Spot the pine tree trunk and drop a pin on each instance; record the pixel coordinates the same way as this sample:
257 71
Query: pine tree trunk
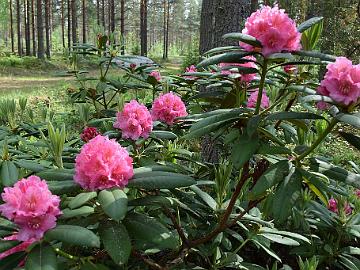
97 12
69 23
109 16
112 16
164 30
167 29
11 27
84 20
143 27
40 29
62 24
103 13
212 27
122 25
18 21
27 27
73 21
47 29
33 27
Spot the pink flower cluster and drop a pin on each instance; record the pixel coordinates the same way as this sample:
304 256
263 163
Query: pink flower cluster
357 192
190 69
134 121
89 133
274 29
290 69
251 102
156 74
244 77
31 206
341 82
168 107
21 247
102 164
333 207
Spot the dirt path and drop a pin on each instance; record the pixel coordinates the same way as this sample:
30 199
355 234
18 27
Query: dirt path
19 83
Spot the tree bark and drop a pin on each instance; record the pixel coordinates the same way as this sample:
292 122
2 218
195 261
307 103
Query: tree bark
112 16
143 27
167 29
47 28
103 13
69 23
122 26
62 24
27 27
33 28
11 27
84 20
40 30
97 12
73 22
164 30
18 21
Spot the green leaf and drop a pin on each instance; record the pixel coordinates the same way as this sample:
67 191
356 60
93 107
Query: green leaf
351 138
12 261
243 149
116 241
75 235
280 239
163 135
285 196
244 38
231 57
290 234
351 119
41 257
82 211
114 203
270 178
61 187
293 115
267 250
315 54
160 180
205 197
149 232
7 244
81 199
309 23
30 165
91 266
266 149
56 174
317 98
9 173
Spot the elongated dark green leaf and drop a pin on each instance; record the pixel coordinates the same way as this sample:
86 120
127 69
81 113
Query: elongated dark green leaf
41 257
273 150
9 173
56 174
81 199
231 57
351 119
91 266
302 88
270 178
149 233
61 187
160 180
164 135
280 239
30 165
116 241
244 38
12 261
317 98
5 245
289 234
79 212
351 138
315 54
223 50
307 24
114 203
205 197
293 115
243 149
75 235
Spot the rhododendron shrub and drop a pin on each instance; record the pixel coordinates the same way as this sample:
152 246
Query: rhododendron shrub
156 74
102 164
167 108
274 29
231 68
89 133
134 121
31 206
265 102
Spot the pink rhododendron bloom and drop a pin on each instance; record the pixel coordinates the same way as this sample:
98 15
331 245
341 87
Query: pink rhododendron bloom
190 69
251 102
290 69
274 29
21 247
134 121
322 105
102 164
244 77
168 107
31 206
332 205
89 133
156 74
357 192
341 82
347 209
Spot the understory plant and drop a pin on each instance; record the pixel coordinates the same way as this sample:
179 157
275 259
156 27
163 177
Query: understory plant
132 190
